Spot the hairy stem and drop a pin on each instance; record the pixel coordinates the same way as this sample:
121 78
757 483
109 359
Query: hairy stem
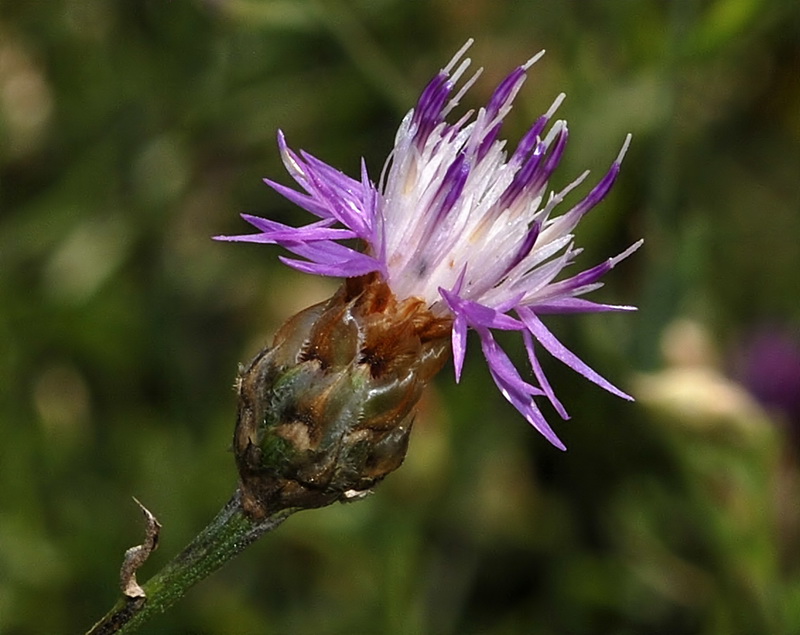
229 533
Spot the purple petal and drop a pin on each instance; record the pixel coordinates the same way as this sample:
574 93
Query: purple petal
331 193
541 377
281 233
584 278
576 284
273 232
307 235
459 340
324 251
563 354
331 175
308 203
479 315
341 202
578 305
294 164
342 269
514 388
503 367
245 238
510 303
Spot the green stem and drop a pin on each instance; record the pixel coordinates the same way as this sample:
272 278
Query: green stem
225 536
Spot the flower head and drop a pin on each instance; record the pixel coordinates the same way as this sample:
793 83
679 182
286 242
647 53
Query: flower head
459 222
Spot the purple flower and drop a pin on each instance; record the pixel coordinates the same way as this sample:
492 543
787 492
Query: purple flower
457 222
769 366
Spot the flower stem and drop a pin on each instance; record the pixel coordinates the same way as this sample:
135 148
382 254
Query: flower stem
229 533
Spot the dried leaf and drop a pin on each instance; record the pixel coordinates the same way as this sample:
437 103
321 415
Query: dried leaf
136 556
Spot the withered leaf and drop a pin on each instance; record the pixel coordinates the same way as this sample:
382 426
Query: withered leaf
136 556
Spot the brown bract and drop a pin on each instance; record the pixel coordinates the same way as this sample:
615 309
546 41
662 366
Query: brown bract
326 411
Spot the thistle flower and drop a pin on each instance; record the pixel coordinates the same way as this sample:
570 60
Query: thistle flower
456 235
459 227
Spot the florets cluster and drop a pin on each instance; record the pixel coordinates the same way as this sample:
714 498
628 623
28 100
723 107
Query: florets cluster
461 223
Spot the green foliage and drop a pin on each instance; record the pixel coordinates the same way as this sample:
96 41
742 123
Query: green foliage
131 132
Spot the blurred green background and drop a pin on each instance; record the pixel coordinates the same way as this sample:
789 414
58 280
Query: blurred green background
132 131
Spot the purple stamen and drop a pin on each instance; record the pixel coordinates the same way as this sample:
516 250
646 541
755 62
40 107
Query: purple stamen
541 177
504 92
453 183
530 140
597 194
523 177
486 143
428 113
525 247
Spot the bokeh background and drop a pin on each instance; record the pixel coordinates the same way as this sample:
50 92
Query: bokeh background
132 131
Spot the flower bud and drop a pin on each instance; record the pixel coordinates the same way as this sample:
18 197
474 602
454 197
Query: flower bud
325 413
